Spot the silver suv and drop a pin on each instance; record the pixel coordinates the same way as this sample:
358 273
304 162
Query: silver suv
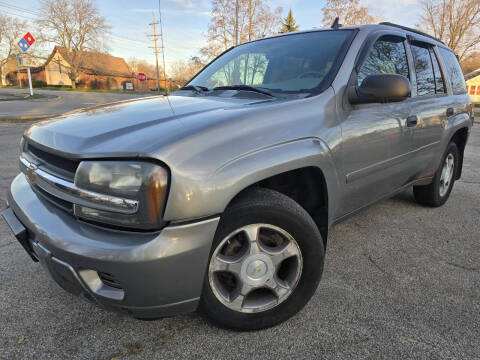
220 196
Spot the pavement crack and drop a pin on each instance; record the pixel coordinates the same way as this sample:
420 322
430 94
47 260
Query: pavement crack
376 265
469 268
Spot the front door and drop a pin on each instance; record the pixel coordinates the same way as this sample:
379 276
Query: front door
375 136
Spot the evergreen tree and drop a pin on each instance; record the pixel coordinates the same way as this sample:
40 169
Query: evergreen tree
289 24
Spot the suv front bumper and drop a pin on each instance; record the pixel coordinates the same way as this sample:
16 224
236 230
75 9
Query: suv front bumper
148 275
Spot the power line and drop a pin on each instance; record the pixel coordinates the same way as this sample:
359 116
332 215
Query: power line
37 14
18 8
17 15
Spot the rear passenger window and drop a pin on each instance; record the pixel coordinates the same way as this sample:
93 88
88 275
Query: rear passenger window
387 56
424 70
453 71
439 82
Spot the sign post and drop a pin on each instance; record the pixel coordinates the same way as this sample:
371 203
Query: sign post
23 45
19 77
30 81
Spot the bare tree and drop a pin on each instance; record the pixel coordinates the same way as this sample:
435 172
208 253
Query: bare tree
256 20
75 25
350 12
11 29
455 22
471 63
137 65
183 71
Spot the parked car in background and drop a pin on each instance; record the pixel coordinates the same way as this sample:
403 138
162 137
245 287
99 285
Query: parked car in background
221 196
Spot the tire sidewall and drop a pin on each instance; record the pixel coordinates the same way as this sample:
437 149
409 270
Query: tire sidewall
311 246
451 149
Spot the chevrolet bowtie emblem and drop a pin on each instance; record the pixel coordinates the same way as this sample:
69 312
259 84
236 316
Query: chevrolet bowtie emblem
257 269
30 173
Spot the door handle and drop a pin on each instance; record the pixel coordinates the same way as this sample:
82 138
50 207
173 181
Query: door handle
412 121
450 112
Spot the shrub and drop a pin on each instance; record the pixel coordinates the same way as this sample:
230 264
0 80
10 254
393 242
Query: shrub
112 83
97 84
38 83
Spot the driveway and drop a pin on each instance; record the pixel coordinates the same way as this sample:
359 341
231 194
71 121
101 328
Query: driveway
56 102
400 281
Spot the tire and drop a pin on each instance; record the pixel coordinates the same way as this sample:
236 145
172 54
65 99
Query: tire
278 213
436 194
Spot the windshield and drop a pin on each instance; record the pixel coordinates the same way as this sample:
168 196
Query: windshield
297 63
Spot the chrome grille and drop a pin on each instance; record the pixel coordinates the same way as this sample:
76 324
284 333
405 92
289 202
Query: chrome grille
56 165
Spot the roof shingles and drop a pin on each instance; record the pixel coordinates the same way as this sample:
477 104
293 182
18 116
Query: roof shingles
96 63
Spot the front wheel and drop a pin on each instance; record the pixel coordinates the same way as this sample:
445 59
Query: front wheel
437 193
265 264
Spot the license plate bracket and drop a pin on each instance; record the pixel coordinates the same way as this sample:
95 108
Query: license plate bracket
19 231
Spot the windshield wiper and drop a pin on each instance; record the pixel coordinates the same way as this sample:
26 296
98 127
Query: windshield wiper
245 88
196 88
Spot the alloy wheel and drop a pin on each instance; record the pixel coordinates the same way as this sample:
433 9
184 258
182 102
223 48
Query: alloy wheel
255 268
446 175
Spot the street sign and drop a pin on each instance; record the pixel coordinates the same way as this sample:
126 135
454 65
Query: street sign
23 45
25 42
25 60
142 77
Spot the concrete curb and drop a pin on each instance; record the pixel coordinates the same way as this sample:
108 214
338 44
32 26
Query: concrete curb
26 118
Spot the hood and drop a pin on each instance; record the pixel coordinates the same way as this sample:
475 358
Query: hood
134 127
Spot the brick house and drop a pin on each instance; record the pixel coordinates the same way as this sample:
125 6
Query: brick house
98 71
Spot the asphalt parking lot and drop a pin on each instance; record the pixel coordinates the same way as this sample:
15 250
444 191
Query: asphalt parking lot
400 281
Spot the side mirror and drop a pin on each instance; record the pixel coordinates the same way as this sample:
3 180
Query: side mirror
382 88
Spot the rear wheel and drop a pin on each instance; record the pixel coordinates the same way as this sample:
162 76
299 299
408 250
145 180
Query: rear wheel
437 193
265 264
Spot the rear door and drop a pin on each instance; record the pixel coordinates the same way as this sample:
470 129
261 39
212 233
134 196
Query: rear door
430 108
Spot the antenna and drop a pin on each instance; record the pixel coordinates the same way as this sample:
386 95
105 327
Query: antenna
336 23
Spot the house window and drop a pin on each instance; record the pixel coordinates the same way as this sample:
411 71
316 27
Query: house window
478 90
472 90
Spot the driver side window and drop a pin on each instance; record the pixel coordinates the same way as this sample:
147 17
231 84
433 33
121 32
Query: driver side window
387 56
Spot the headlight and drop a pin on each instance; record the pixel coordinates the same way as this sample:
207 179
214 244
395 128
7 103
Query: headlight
132 182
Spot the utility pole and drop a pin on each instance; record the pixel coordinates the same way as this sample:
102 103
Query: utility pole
155 37
236 22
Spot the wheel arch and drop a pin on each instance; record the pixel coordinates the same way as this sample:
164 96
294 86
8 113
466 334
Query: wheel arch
302 170
306 186
460 138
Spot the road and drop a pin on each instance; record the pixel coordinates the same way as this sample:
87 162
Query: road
401 281
57 102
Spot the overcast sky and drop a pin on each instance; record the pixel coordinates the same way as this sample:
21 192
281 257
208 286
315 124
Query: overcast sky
186 21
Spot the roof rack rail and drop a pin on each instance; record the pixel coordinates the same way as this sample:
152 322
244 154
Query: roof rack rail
411 30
